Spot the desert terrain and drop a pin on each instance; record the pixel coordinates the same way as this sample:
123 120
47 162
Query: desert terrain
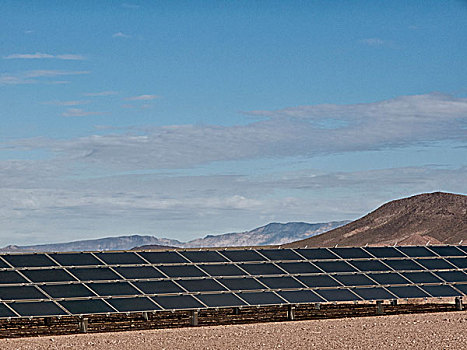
413 331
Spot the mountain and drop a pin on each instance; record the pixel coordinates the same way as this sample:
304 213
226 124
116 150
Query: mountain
109 243
271 234
437 218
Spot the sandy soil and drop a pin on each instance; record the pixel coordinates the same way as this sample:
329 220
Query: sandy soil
416 331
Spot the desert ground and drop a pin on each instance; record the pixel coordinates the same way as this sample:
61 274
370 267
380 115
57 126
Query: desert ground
415 331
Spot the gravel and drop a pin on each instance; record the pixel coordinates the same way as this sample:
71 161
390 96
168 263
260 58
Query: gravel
415 331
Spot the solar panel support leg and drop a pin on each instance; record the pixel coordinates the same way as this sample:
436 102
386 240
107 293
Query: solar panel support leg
394 302
145 316
236 311
379 307
194 318
458 302
291 312
83 325
317 306
48 321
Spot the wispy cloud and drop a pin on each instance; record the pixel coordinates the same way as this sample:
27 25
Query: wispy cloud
39 55
52 73
373 41
66 103
33 76
121 35
142 98
78 112
101 93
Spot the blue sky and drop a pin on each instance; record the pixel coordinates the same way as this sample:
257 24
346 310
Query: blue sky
186 118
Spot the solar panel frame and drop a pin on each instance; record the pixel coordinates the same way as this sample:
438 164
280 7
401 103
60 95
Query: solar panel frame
6 312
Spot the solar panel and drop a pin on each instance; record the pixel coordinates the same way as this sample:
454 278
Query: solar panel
351 253
34 285
9 277
447 251
158 287
75 290
22 292
334 266
373 293
369 265
319 281
403 264
441 291
299 267
242 255
29 260
463 247
247 283
317 254
384 252
182 271
112 288
221 269
354 280
138 272
201 285
280 282
416 251
459 262
87 306
42 308
435 264
218 299
452 276
302 296
93 273
262 269
203 256
337 294
408 292
123 258
75 259
421 277
177 302
48 275
280 254
5 311
133 304
260 298
163 257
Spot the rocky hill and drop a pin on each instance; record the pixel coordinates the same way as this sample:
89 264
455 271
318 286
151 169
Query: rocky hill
431 217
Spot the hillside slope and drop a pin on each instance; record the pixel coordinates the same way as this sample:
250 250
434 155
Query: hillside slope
431 217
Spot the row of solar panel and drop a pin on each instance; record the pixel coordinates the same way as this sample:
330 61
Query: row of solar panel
231 269
207 256
223 284
214 300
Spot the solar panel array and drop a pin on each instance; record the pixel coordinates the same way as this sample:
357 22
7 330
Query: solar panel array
60 284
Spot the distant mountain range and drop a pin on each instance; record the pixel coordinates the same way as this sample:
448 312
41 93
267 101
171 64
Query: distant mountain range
271 234
435 218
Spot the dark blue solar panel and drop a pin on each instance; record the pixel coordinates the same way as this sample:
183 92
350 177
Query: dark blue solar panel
10 277
221 300
384 252
351 253
441 291
459 262
280 254
177 302
158 287
82 307
163 257
319 281
262 269
421 277
29 260
113 288
408 292
334 266
93 273
299 267
138 272
203 256
3 265
337 294
461 287
182 271
435 264
280 282
317 254
369 265
75 259
376 293
403 264
302 296
241 283
48 275
44 308
67 290
452 276
133 304
416 251
242 255
5 311
388 278
261 298
354 280
201 285
222 269
447 251
18 293
121 258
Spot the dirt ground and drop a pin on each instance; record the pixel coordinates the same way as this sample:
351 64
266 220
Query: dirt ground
415 331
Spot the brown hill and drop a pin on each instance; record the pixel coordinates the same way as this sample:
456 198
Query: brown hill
431 217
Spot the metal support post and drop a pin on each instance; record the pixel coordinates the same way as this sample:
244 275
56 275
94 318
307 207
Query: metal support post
394 302
194 318
145 316
291 312
48 321
236 311
458 302
317 306
379 307
83 325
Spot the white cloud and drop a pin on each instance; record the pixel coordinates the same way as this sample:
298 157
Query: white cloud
142 98
39 55
78 112
31 77
66 103
101 93
121 35
52 73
